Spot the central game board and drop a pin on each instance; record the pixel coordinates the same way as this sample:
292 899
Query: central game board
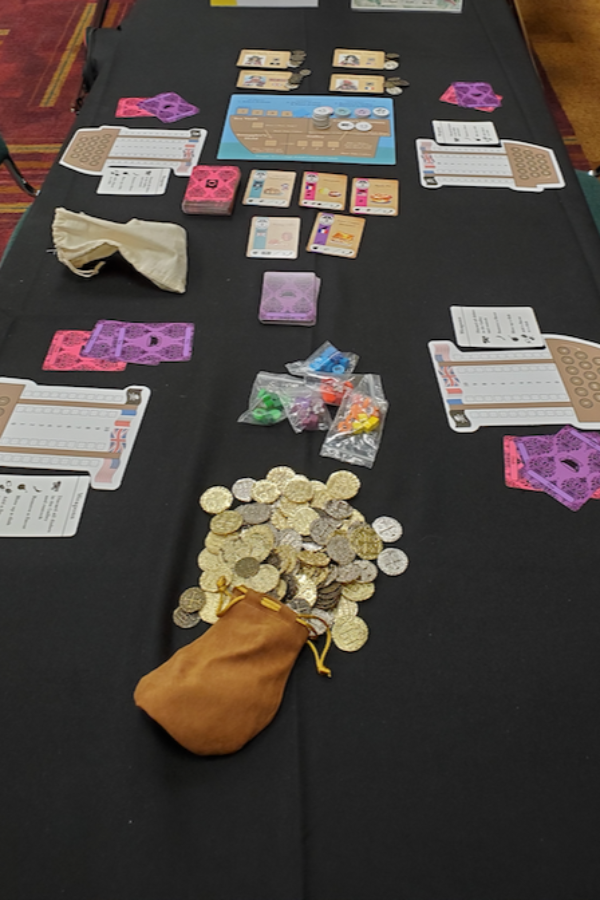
282 128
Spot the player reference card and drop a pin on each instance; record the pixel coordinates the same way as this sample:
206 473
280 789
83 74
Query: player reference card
359 59
263 81
465 133
134 182
323 190
273 238
496 327
41 505
357 84
375 196
336 235
269 187
264 59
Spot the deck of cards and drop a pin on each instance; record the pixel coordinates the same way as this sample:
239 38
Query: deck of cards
289 298
211 190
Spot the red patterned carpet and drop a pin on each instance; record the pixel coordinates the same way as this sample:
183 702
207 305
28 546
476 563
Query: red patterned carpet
41 57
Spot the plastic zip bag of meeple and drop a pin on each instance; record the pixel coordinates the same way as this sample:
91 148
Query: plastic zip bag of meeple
355 434
326 359
305 409
266 405
332 388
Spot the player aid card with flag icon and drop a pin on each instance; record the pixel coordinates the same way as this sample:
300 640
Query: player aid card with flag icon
273 238
336 235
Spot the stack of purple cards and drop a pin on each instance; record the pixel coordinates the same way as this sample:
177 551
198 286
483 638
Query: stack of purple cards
565 465
289 298
143 343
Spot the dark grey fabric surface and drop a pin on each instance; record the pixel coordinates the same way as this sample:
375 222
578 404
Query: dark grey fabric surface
455 757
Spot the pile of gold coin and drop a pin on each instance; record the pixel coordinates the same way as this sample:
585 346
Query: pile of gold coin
299 541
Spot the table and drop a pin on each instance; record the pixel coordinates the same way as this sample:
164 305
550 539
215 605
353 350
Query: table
456 755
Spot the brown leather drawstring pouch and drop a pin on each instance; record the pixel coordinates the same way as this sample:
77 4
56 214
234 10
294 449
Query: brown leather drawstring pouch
218 692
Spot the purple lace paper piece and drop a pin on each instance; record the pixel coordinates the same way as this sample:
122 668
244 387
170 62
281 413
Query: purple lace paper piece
103 340
289 298
150 343
169 107
144 343
565 465
472 94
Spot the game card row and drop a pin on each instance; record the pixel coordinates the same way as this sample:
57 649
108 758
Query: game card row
212 190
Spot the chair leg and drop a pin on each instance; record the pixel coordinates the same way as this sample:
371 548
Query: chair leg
23 184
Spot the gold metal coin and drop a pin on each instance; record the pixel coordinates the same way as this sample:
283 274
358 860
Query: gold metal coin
280 475
343 485
314 558
214 542
208 613
289 507
288 557
208 581
303 519
350 634
365 541
265 531
280 589
307 589
232 550
265 579
216 500
265 491
298 489
357 591
192 599
279 519
226 522
256 545
209 561
346 609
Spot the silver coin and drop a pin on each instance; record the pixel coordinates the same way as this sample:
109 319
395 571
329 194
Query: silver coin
367 570
291 537
391 64
322 529
346 574
310 545
394 91
256 513
338 509
392 561
320 620
184 619
340 550
299 606
242 489
388 529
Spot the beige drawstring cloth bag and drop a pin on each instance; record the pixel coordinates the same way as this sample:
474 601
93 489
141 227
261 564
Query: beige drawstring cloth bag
157 250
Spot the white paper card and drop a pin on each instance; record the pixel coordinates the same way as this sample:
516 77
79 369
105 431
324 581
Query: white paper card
41 505
465 133
496 327
134 182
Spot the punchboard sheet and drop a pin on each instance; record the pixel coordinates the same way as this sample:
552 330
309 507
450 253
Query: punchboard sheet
559 385
514 164
94 151
60 427
282 128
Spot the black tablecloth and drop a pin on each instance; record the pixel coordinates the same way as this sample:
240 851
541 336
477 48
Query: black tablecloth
455 757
